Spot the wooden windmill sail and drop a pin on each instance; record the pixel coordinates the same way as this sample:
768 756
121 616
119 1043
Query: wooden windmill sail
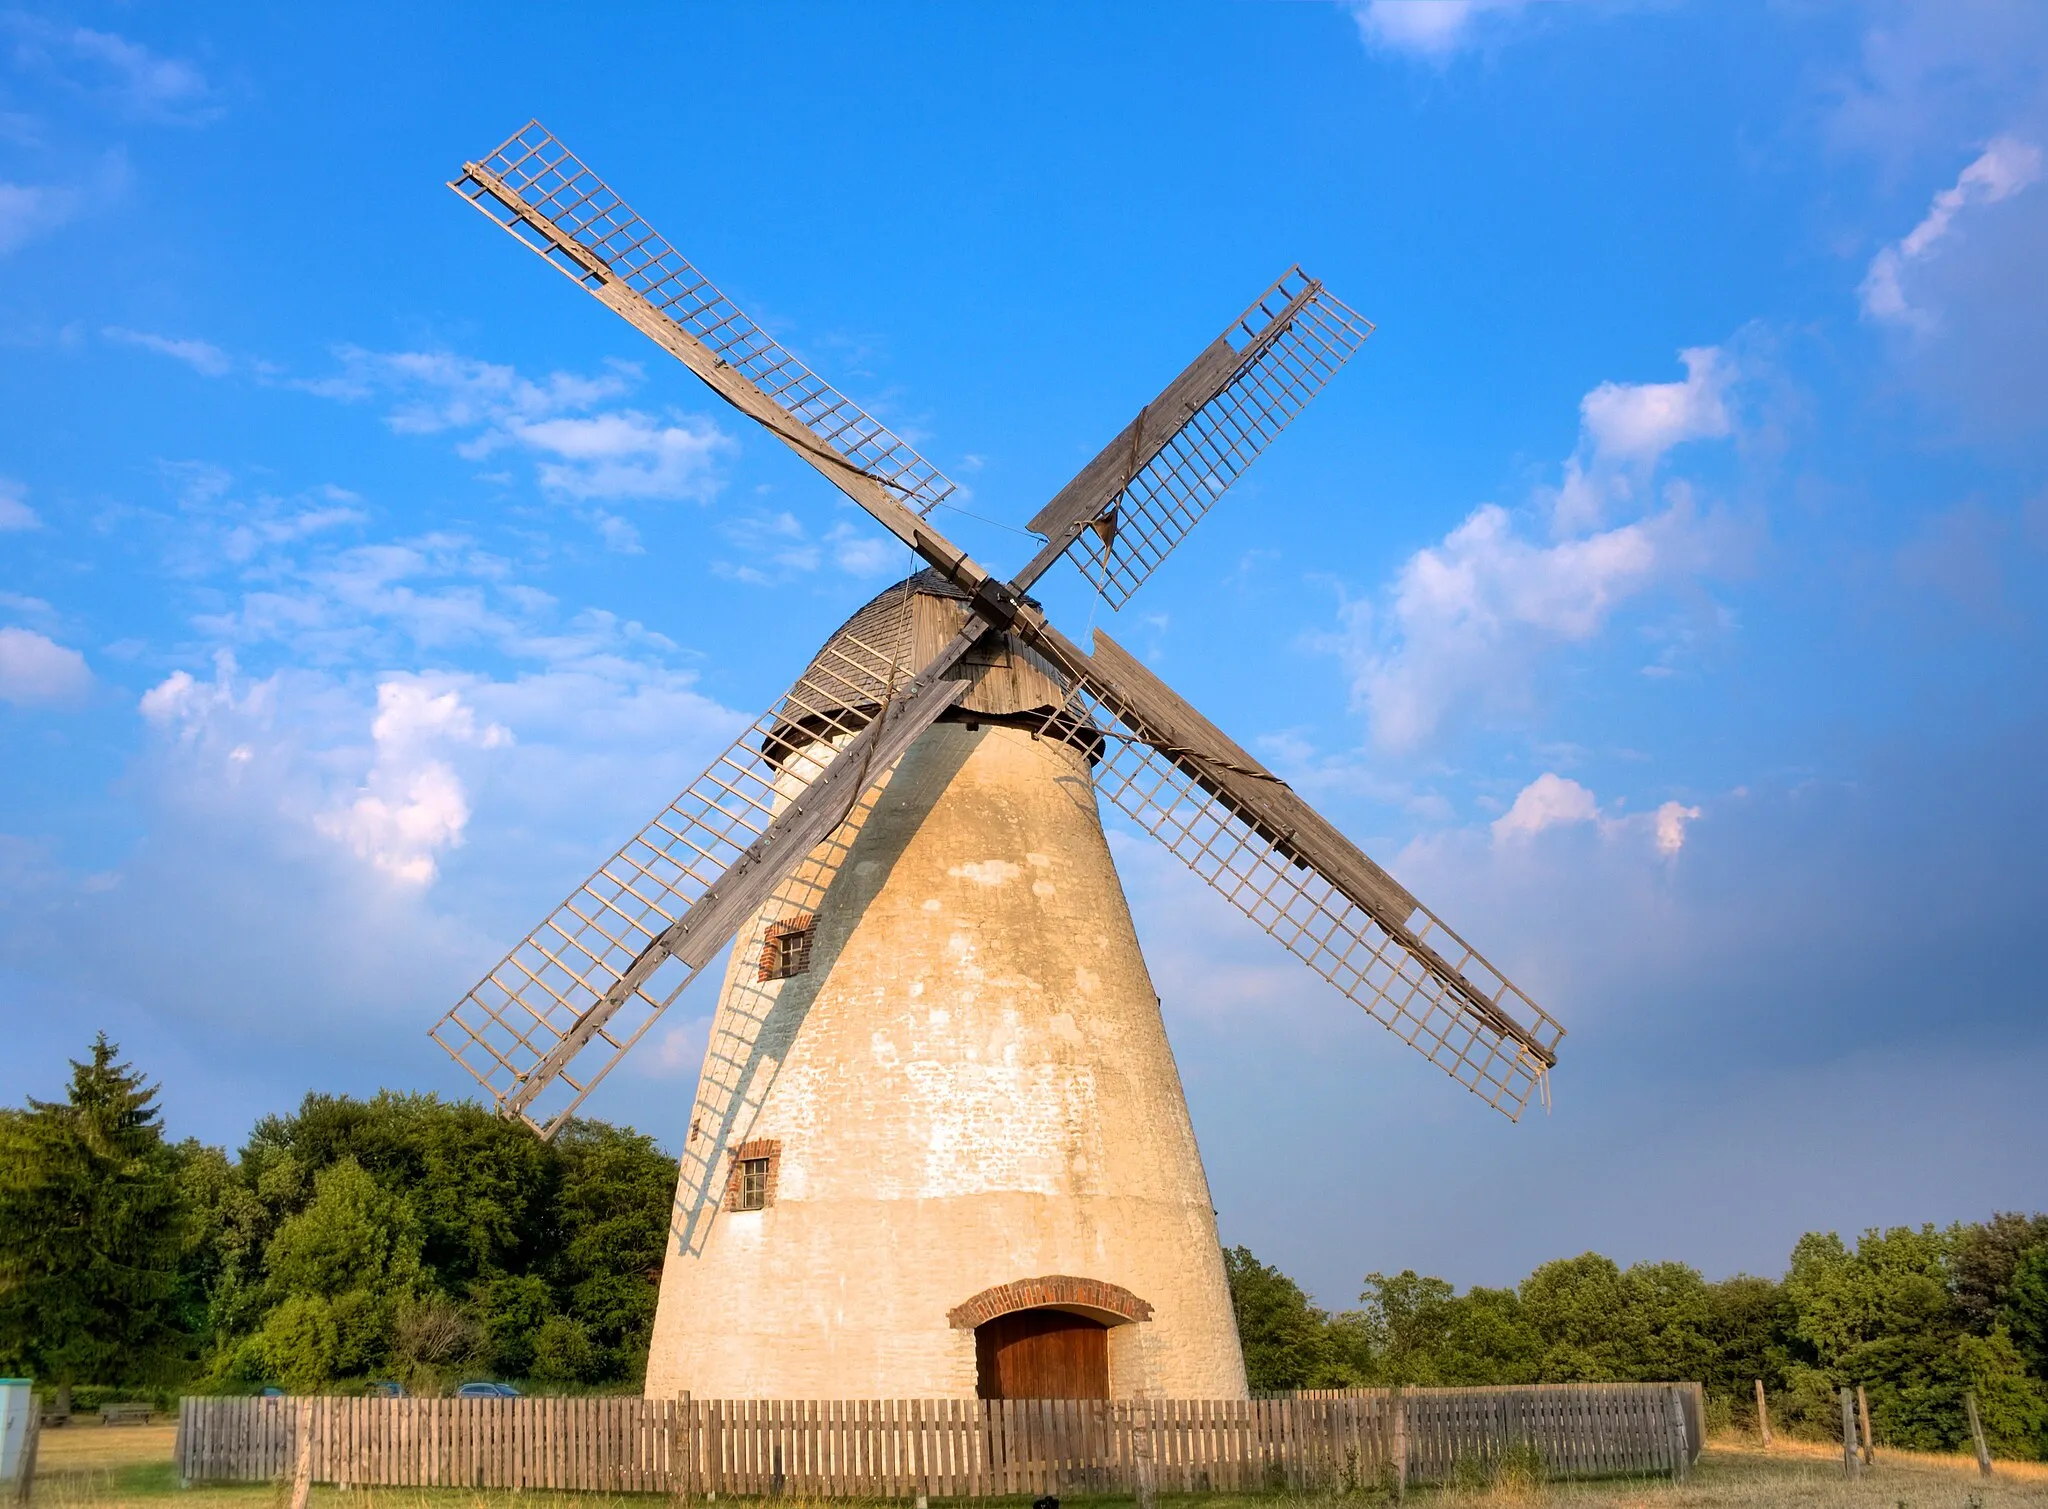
939 1144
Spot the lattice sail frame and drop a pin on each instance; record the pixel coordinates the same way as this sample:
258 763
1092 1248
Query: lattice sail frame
505 1028
556 184
1169 494
1313 919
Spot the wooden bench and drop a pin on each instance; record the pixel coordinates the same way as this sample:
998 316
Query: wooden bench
55 1419
126 1414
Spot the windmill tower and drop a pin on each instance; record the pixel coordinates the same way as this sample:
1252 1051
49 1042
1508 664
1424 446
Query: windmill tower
939 1146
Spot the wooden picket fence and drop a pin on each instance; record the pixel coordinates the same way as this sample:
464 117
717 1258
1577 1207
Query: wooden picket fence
947 1448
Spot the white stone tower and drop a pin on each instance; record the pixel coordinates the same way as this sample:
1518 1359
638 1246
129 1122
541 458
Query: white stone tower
972 1169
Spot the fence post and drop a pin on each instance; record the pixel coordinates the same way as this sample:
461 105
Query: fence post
1977 1435
1147 1484
1681 1456
1763 1415
302 1463
1850 1463
1397 1404
1863 1418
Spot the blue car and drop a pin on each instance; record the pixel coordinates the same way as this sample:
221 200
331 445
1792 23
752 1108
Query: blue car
486 1391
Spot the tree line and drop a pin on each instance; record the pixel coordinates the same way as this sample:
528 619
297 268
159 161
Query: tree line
400 1237
410 1238
1917 1316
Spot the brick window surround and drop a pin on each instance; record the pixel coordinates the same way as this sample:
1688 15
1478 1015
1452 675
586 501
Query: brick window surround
1055 1289
767 1147
773 947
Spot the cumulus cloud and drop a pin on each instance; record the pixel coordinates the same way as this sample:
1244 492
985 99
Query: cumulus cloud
1555 801
14 510
412 804
1546 802
1669 822
1432 29
2005 167
625 454
202 357
1625 429
1467 620
35 669
581 451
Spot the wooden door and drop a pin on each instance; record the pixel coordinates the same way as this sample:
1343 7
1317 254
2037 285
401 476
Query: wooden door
1042 1354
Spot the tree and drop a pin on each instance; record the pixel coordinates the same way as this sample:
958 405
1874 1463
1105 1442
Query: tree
1985 1257
2025 1309
1490 1339
353 1234
93 1227
1749 1332
1581 1309
511 1312
481 1188
1884 1316
1288 1343
614 1196
1406 1321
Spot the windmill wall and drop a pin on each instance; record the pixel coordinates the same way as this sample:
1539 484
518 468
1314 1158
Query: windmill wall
968 1105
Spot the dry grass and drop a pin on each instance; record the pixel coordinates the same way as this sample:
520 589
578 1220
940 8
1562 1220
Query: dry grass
94 1467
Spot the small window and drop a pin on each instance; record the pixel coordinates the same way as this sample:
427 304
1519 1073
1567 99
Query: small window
753 1185
750 1177
786 948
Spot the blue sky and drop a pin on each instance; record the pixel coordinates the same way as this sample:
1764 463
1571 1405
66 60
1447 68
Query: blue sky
1659 593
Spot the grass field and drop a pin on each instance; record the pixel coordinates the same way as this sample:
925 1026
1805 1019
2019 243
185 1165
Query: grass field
90 1467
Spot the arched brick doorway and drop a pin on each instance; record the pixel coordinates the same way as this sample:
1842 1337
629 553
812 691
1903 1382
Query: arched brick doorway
1046 1338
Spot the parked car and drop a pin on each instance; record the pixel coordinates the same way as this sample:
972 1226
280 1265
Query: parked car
482 1390
270 1392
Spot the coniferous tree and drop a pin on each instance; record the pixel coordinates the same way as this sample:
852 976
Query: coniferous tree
92 1230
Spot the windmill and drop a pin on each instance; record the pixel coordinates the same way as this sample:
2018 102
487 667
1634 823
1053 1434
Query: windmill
939 1146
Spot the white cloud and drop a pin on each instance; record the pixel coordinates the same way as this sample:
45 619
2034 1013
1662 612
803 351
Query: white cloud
36 669
1671 819
864 550
1431 29
1468 620
1549 801
1625 429
2005 167
147 82
14 510
31 210
412 804
626 454
127 73
1555 801
579 455
202 357
776 547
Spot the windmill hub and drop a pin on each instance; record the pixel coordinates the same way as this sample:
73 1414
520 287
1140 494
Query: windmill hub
939 1146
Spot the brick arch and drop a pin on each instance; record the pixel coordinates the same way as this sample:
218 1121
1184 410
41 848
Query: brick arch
1105 1301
